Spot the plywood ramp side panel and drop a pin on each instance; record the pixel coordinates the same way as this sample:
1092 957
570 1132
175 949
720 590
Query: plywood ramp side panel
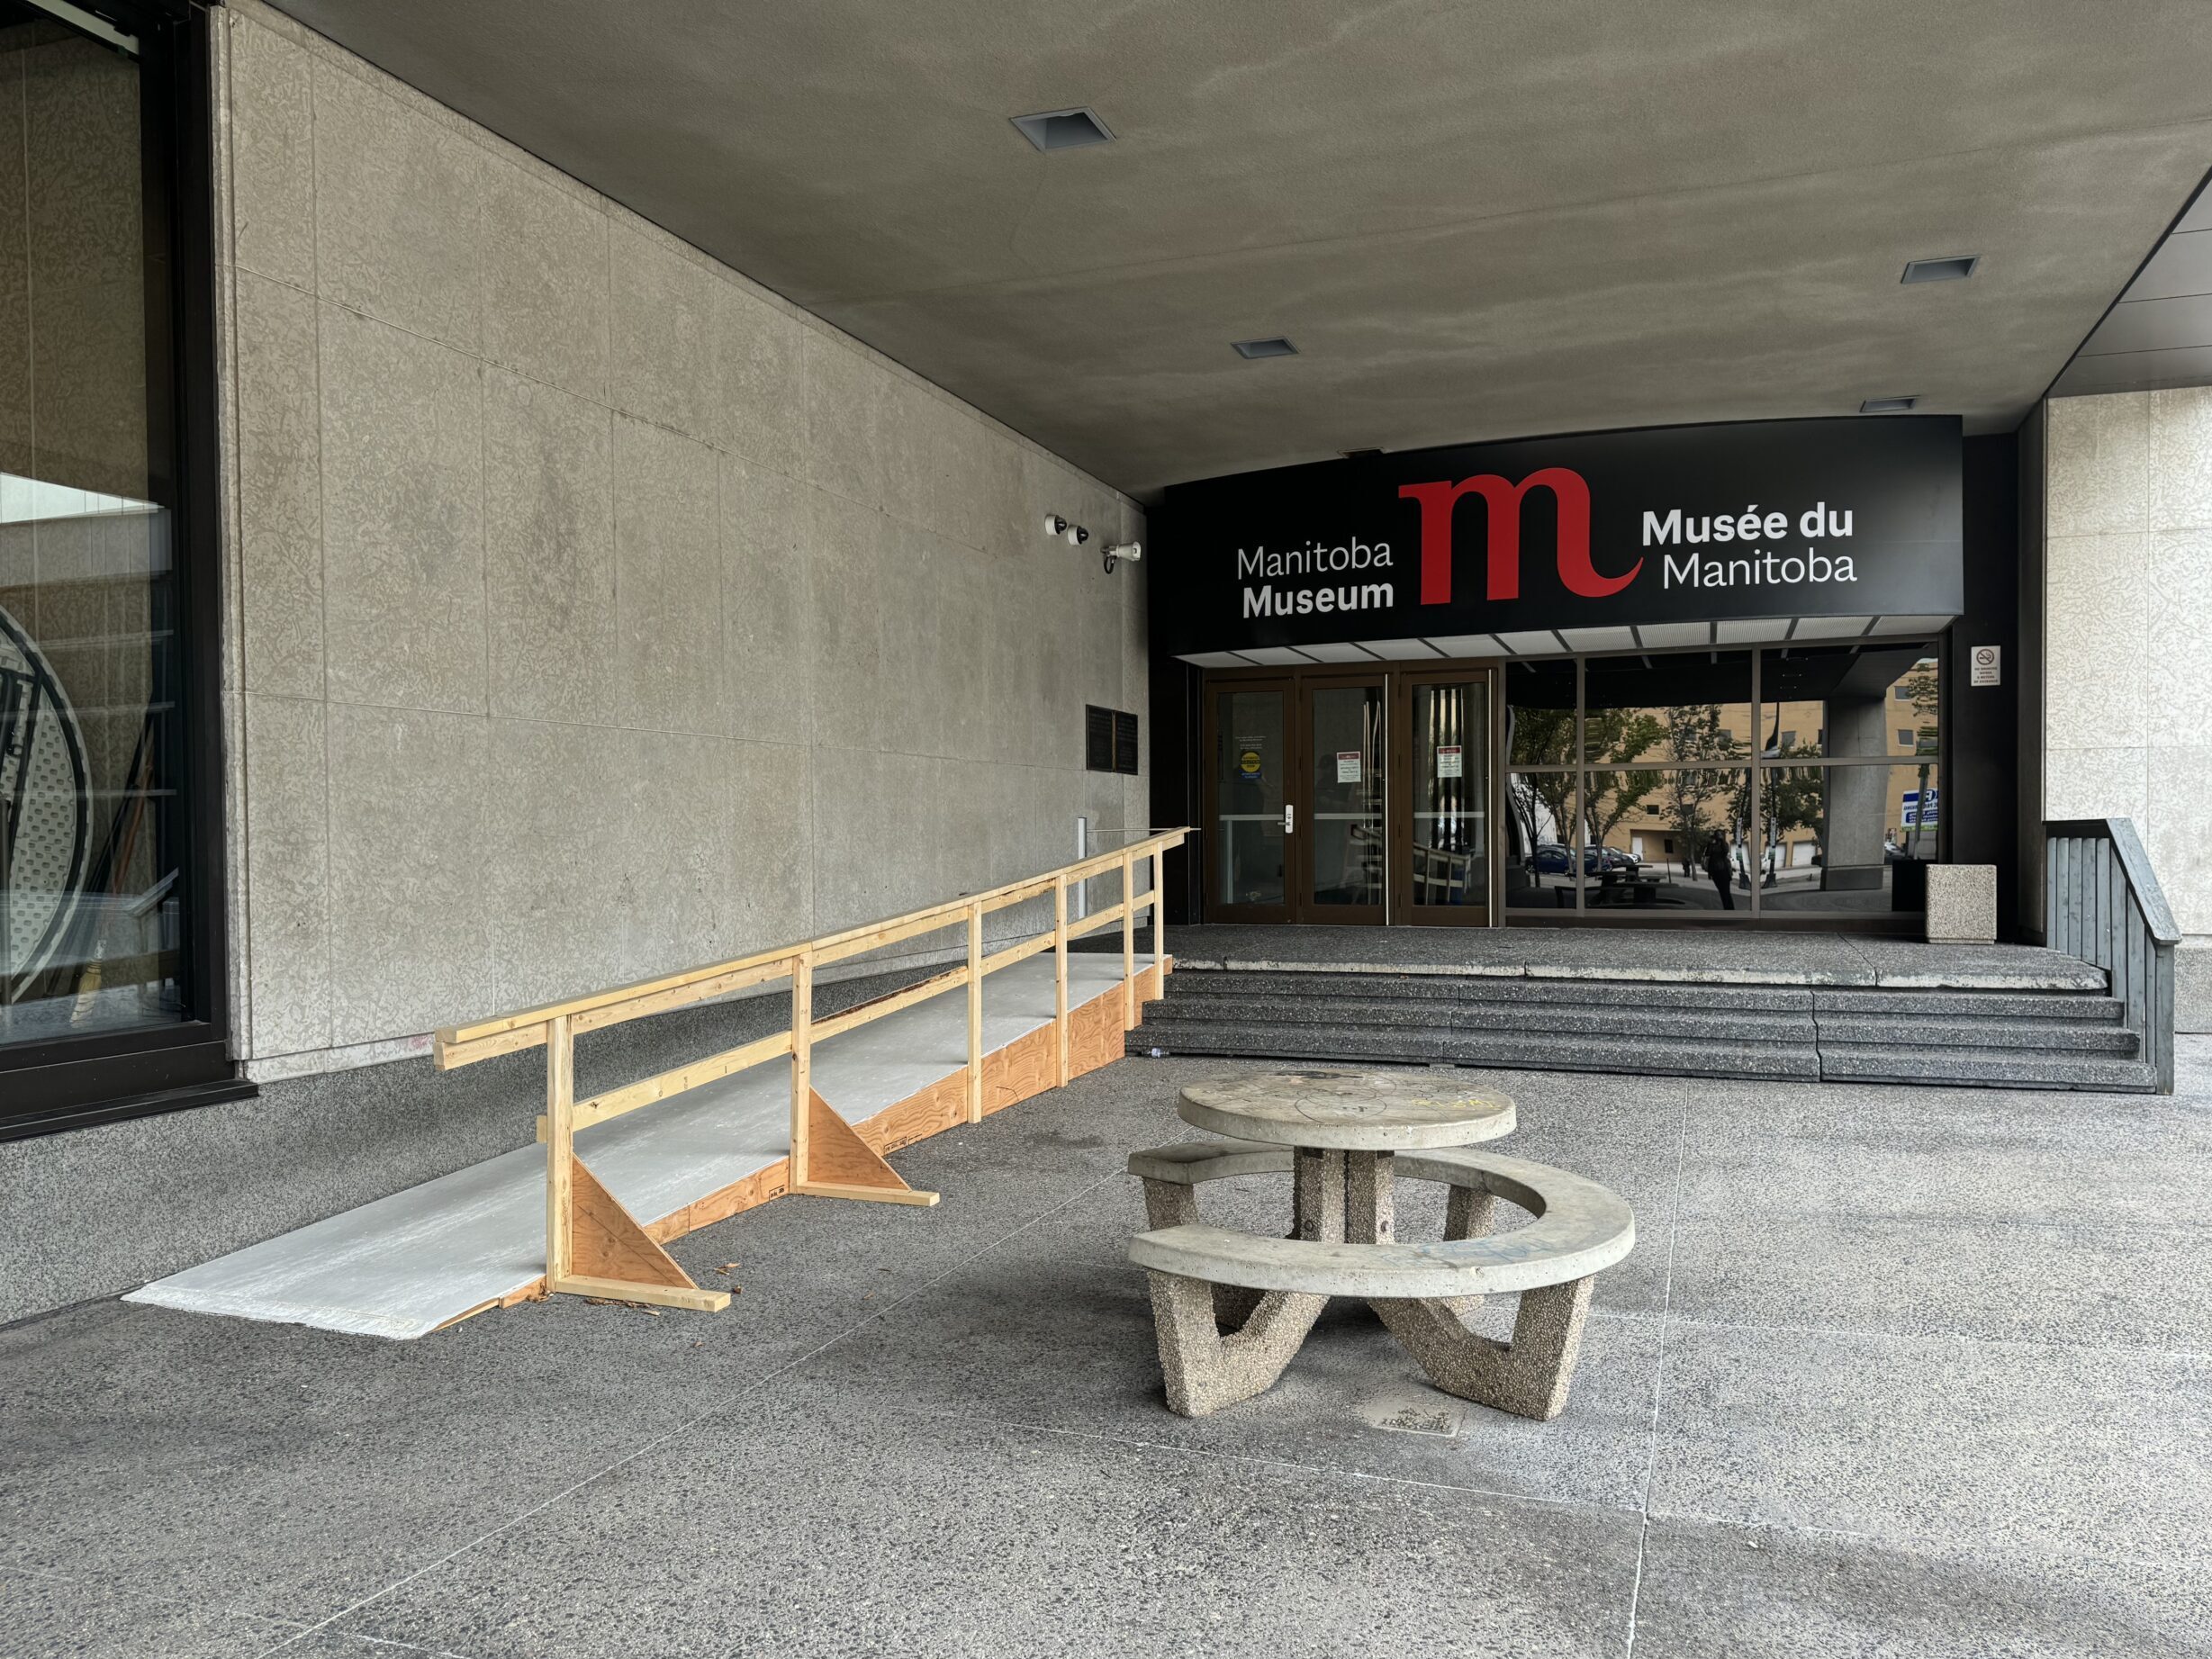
1096 1035
771 1181
917 1117
1026 1067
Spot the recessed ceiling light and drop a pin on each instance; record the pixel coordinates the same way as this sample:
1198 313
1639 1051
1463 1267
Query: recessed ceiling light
1052 130
1887 406
1956 268
1274 345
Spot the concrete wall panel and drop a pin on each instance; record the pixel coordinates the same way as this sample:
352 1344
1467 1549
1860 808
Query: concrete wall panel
396 206
287 873
545 276
664 333
624 616
273 158
410 916
280 488
402 493
2127 590
549 552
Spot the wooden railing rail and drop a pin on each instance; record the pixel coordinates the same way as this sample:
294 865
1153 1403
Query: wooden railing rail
594 1247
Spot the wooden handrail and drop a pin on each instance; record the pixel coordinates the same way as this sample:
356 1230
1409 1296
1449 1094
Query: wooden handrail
612 1256
505 1033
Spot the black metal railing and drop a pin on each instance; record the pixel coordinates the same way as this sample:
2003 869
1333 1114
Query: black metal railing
2102 903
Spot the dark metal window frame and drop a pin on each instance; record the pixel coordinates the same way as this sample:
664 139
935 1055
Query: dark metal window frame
70 1082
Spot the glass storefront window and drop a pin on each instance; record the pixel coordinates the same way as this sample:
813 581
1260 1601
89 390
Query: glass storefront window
91 842
1542 849
112 989
1539 714
1848 840
1687 708
1822 796
1659 838
1851 702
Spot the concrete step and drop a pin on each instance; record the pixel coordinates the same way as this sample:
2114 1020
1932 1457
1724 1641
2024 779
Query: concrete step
2053 1036
1198 983
1867 1062
2077 1005
1602 1018
1539 1051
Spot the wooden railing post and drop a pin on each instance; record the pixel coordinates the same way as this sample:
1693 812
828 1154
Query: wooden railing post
975 1012
1059 977
803 1064
560 1152
1129 940
1160 915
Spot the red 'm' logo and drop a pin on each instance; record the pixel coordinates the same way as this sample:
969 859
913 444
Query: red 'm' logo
1502 500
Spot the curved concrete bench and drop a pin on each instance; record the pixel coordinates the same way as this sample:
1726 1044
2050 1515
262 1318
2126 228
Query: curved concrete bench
1581 1229
1202 1276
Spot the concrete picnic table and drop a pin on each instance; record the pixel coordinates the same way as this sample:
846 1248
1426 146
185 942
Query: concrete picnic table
1345 1136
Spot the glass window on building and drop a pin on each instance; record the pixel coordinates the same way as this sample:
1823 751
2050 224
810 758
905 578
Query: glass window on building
1736 783
97 842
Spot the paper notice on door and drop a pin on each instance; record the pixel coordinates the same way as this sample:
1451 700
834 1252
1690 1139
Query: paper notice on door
1347 765
1448 760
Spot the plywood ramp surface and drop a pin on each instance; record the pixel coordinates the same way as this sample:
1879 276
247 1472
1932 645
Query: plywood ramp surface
404 1266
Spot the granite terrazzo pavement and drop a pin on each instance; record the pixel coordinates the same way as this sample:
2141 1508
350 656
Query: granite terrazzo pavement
1852 1393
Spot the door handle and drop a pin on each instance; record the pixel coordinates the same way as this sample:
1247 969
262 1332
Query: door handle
1289 818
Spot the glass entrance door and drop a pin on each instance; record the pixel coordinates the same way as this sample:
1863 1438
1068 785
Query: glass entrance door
1344 853
1350 795
1251 782
1443 835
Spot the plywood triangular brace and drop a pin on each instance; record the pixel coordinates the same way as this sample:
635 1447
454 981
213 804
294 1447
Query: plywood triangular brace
615 1258
839 1164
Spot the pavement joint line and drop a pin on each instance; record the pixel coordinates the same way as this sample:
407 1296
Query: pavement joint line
1964 1338
1333 1471
1658 1371
724 1404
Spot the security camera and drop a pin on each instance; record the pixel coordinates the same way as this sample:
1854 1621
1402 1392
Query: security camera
1054 524
1077 536
1122 550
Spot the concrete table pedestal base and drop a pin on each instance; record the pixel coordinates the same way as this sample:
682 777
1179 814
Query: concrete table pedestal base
1221 1344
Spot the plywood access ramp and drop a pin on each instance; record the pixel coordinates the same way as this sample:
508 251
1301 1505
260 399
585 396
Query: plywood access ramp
615 1181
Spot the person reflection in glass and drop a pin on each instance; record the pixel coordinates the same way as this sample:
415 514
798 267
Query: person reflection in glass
1717 867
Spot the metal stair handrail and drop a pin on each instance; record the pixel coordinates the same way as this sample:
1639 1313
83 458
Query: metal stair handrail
2103 904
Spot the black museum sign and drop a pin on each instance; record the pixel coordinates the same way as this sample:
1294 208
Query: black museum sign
1856 517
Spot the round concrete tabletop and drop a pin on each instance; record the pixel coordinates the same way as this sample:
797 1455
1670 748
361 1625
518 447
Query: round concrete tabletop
1357 1110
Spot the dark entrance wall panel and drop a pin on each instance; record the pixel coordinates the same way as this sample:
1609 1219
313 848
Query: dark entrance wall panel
1831 518
1982 788
1178 795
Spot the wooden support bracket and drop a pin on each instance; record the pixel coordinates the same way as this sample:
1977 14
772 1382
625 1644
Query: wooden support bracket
610 1255
841 1165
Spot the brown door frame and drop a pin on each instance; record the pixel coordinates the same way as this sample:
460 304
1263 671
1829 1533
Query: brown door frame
1405 677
